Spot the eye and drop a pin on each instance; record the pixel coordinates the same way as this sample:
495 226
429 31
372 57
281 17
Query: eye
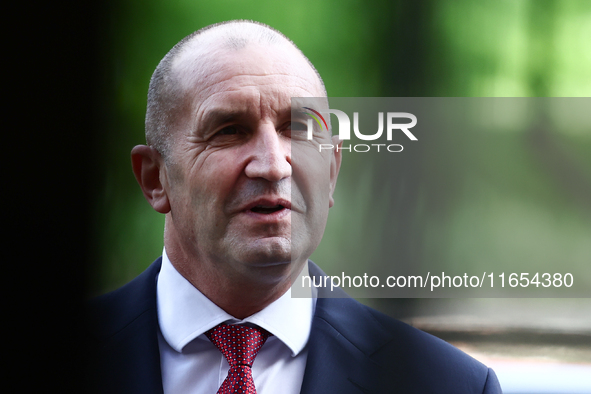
297 126
228 130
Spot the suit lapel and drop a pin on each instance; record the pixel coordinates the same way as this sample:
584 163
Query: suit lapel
334 364
142 334
127 344
342 340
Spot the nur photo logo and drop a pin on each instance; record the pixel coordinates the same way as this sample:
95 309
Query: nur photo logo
345 129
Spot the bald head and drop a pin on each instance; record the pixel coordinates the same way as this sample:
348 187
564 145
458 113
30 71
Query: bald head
194 59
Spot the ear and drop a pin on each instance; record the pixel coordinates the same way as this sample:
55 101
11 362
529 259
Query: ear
335 166
147 164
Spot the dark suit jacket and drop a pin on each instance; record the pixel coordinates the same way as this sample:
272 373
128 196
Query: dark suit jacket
352 349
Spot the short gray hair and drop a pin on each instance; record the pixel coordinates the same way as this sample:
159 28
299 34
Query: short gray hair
164 93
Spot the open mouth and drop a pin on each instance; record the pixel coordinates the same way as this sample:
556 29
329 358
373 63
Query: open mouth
266 210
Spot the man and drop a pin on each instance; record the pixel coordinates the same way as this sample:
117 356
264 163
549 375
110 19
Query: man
242 218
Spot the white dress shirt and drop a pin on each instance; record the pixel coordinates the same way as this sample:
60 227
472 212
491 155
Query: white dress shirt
191 364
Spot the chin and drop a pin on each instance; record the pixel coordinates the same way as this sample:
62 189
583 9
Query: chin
244 247
269 258
267 252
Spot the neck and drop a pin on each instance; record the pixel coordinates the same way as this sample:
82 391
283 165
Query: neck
238 293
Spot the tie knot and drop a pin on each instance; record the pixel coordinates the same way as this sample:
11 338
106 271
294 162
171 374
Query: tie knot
238 344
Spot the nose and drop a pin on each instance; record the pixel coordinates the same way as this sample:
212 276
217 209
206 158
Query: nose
269 155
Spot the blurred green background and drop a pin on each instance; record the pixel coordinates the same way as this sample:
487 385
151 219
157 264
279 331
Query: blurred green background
525 48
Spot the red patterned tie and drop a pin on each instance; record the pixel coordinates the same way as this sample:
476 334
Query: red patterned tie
240 345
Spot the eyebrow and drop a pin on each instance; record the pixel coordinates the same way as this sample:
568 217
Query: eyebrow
221 115
218 116
298 113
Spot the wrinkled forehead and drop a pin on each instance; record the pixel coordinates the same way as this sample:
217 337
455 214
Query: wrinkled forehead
212 59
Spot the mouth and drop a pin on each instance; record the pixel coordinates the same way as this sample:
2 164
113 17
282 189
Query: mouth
266 210
268 206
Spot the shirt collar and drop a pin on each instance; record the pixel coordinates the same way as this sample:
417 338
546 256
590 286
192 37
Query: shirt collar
185 314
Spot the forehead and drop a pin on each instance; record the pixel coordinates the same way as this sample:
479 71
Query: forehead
213 75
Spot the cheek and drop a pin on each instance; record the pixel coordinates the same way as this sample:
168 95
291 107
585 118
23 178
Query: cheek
308 227
311 170
215 181
311 185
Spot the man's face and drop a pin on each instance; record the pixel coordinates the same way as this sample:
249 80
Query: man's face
238 202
